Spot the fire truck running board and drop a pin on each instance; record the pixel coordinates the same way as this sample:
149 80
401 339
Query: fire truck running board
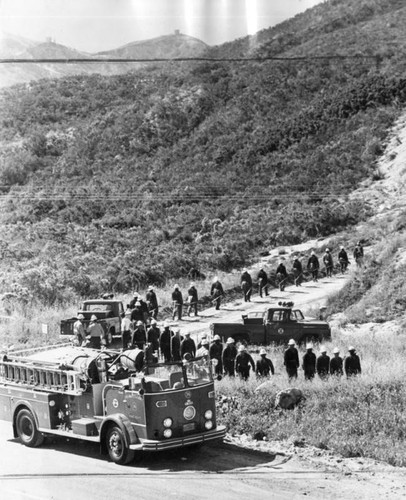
69 434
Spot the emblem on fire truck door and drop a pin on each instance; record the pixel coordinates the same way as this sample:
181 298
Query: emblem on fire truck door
115 403
188 394
280 331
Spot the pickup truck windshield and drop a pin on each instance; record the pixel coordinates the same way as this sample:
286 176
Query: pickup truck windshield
98 307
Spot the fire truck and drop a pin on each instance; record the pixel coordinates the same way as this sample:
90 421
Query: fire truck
117 399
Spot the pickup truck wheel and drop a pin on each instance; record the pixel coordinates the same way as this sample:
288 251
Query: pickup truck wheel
27 429
117 448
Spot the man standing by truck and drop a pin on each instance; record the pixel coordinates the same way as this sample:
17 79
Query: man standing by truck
96 333
291 360
79 330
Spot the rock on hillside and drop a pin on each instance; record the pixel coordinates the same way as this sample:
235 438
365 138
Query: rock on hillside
175 45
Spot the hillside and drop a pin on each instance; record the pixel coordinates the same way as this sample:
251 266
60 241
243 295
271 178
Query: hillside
118 182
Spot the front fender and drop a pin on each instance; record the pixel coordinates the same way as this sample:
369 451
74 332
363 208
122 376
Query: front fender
125 425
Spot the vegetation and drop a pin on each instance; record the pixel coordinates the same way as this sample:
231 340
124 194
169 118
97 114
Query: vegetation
118 182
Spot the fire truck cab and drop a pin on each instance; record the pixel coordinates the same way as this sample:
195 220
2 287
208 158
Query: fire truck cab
109 397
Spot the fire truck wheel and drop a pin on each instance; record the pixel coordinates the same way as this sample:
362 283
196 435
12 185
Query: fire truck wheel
116 446
27 429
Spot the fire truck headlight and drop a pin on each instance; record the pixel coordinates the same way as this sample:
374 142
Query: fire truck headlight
167 433
168 422
208 414
208 424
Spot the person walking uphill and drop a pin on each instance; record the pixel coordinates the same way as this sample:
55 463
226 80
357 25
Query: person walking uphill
281 276
328 262
313 266
343 259
229 355
192 298
291 360
243 362
297 270
309 363
177 301
246 285
216 292
352 363
262 283
359 254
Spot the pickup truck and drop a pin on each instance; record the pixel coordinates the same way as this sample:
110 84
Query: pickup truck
277 324
108 313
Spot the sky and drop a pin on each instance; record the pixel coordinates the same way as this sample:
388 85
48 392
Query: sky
95 25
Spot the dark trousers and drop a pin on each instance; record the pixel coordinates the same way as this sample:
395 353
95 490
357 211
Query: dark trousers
126 338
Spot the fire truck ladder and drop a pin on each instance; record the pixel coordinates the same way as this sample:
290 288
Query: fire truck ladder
41 377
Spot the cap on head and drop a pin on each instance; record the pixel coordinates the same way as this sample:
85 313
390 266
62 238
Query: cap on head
187 334
193 283
139 323
166 324
351 348
309 346
291 342
150 288
336 350
323 349
93 317
80 316
262 351
154 321
135 294
241 348
175 287
230 340
216 337
216 278
312 252
128 312
327 249
177 330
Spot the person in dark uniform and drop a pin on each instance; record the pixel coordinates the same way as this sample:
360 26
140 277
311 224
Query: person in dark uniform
246 285
352 363
177 301
134 300
243 362
297 270
262 283
165 342
282 276
343 259
291 360
336 364
152 303
192 299
313 266
328 262
153 335
216 351
323 364
229 355
359 254
309 363
264 365
187 346
175 345
139 337
137 313
216 292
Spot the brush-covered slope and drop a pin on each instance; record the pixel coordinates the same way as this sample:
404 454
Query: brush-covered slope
111 183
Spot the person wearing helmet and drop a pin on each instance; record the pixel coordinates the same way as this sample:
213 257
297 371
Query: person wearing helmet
336 364
152 303
134 300
323 364
281 276
79 331
153 335
177 301
137 313
352 363
193 299
297 270
313 265
228 357
359 254
246 285
262 282
187 346
264 365
328 262
165 342
309 362
96 333
343 259
291 360
204 349
126 329
216 351
216 292
243 363
138 336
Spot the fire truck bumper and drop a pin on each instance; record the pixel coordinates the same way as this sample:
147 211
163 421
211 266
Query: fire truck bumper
154 445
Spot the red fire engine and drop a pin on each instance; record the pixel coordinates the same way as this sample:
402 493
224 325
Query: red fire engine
113 398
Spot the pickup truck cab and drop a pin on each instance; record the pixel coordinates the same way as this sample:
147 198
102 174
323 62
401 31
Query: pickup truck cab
276 324
108 313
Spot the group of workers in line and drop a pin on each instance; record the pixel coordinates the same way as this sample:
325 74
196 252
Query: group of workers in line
322 365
